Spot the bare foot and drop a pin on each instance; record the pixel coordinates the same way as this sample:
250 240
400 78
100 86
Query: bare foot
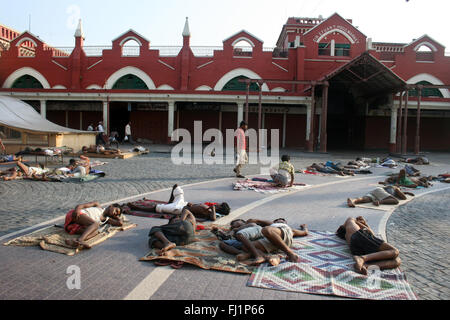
85 245
274 261
359 265
350 203
292 257
376 203
169 247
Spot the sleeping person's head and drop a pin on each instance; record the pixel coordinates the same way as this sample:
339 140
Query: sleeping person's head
341 232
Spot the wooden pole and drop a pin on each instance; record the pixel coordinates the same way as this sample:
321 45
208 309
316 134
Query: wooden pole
313 113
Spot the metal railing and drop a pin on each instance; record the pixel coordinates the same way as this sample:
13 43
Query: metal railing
170 51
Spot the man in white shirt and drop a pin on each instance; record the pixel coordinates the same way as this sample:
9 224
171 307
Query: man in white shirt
128 133
91 127
101 130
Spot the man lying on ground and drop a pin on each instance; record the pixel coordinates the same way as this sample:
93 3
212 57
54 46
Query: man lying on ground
418 161
86 219
403 180
9 158
180 231
284 176
177 203
101 150
277 235
22 170
366 248
324 169
387 195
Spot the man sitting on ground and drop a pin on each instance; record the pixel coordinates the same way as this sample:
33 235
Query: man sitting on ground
285 175
180 231
388 195
403 180
366 248
86 219
277 236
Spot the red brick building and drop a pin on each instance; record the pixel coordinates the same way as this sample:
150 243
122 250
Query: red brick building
165 88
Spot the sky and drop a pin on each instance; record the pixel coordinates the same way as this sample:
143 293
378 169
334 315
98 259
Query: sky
212 21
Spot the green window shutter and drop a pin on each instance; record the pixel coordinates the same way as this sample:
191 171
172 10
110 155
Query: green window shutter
27 82
130 82
235 85
426 92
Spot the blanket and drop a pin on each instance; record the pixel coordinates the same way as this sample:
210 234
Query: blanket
264 186
54 238
326 268
203 253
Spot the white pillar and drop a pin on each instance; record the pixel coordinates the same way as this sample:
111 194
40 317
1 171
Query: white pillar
333 47
393 125
308 120
105 116
284 129
44 108
171 118
240 116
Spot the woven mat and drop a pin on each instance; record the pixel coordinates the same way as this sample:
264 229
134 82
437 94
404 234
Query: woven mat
203 253
385 207
326 268
54 238
264 187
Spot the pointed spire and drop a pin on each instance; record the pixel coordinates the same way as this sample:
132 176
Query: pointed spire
186 31
79 31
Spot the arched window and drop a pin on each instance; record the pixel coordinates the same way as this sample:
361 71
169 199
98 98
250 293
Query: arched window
130 82
131 48
243 48
235 85
426 92
424 54
27 82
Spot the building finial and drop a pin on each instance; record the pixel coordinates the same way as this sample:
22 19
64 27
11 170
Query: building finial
79 31
186 31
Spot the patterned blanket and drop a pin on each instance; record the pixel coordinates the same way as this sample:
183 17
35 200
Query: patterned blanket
264 186
326 268
54 238
204 253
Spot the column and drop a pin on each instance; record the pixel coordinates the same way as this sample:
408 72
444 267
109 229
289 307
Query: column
44 108
106 116
333 47
171 120
284 129
240 115
417 142
308 122
405 125
324 119
312 118
393 139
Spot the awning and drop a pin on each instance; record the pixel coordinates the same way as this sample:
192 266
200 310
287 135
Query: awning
366 76
18 115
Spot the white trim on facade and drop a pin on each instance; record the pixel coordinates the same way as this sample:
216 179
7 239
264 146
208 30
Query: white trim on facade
59 87
25 71
427 44
204 88
250 42
165 87
130 70
26 39
94 87
236 73
167 65
59 65
431 79
125 40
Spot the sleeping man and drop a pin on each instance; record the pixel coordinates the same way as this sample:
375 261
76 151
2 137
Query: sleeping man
177 203
388 195
86 219
366 248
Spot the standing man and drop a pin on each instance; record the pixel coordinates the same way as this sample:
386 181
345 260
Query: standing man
241 144
101 132
128 133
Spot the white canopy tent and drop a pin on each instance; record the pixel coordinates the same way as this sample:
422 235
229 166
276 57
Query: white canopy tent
20 116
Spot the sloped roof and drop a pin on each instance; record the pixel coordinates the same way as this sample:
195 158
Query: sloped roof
18 115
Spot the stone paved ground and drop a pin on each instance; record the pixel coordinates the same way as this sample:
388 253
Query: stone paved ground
33 274
421 231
